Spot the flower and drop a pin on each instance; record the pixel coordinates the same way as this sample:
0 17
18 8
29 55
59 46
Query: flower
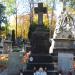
26 57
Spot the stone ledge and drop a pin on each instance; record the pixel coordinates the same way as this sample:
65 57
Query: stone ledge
65 39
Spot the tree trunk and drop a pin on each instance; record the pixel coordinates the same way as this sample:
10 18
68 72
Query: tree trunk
0 29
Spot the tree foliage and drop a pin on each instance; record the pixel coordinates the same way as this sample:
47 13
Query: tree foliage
3 18
70 3
10 6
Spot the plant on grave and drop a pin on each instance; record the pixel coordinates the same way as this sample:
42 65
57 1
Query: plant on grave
26 57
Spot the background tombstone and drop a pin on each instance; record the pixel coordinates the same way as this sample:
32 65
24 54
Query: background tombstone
14 63
1 45
7 45
13 37
40 37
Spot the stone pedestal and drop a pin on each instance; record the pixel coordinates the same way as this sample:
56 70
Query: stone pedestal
64 45
40 60
40 56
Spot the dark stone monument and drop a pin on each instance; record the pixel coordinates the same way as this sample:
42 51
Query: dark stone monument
40 37
40 44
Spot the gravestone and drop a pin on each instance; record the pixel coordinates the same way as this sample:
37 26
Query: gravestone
40 44
40 37
64 40
7 45
13 37
14 63
1 45
63 44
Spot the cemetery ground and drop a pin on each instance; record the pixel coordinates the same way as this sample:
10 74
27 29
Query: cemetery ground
11 60
12 63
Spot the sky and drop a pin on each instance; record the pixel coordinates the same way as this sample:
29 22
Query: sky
24 6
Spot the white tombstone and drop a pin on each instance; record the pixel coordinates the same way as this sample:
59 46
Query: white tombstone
63 33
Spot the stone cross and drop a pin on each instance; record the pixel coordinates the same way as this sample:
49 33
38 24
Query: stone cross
40 10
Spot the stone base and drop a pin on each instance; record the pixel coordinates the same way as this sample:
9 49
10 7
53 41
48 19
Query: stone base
41 60
64 45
